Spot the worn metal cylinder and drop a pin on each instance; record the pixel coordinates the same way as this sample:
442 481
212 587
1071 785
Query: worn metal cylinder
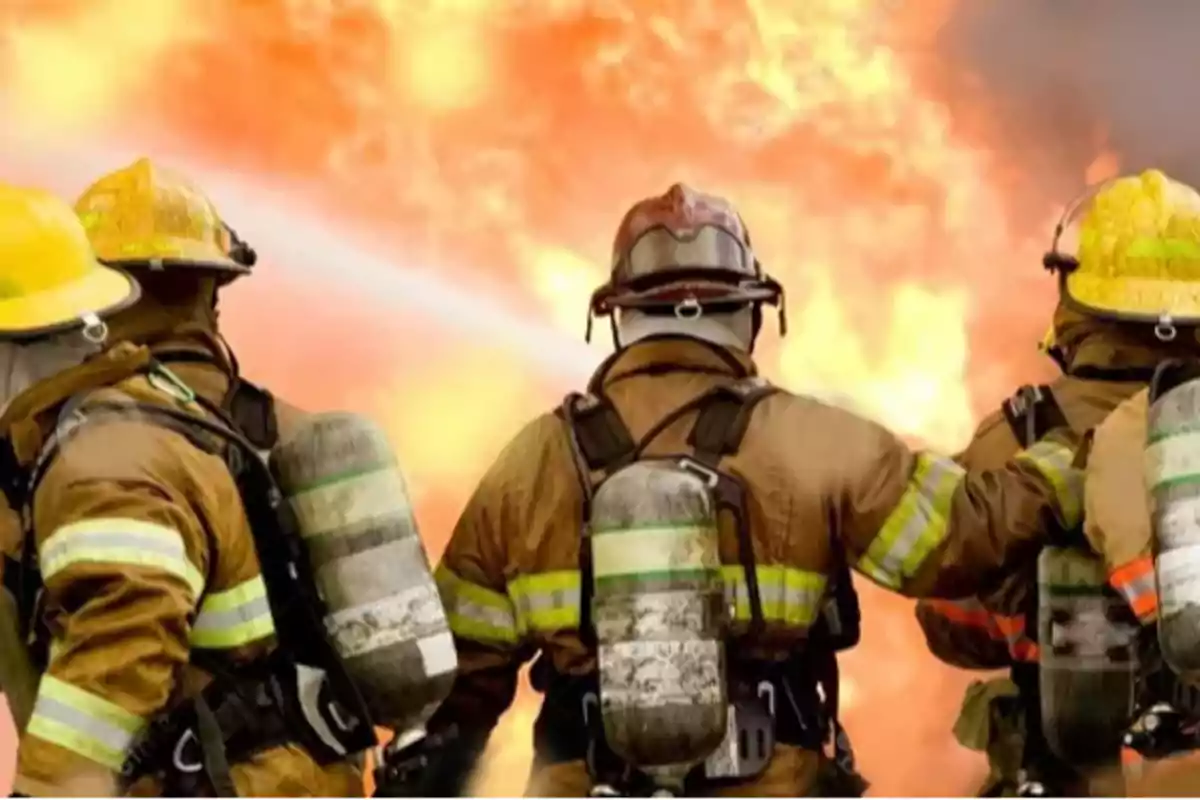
385 616
660 616
1173 475
1087 644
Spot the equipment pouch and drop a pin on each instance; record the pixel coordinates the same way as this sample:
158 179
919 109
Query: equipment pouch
749 739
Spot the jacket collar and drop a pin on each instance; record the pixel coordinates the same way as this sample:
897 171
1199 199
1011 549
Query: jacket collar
660 355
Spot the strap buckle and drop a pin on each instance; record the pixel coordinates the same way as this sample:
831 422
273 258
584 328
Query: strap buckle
710 476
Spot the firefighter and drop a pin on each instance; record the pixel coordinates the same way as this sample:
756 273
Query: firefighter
136 576
1106 358
667 541
158 227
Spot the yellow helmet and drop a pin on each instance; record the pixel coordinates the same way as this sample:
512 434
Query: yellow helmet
1137 251
50 280
145 217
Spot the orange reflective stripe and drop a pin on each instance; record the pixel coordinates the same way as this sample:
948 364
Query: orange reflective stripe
963 612
1135 582
1025 650
1000 628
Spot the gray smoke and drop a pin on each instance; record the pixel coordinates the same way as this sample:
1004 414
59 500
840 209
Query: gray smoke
1057 73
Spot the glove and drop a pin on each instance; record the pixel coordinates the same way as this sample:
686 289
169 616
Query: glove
438 765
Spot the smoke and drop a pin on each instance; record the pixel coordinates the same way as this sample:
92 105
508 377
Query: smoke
1065 78
383 288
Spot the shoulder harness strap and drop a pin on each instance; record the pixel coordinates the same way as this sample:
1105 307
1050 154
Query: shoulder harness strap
251 408
718 432
722 423
1032 412
248 407
601 443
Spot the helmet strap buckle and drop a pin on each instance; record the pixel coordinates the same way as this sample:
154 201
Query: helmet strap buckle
689 308
95 330
1165 330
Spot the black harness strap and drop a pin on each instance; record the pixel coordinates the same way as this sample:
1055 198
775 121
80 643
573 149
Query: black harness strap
1032 413
601 443
718 432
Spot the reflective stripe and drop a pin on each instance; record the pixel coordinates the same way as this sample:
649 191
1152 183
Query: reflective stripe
115 540
1135 582
789 596
83 723
546 601
916 526
233 617
549 601
476 612
1162 248
998 627
1054 462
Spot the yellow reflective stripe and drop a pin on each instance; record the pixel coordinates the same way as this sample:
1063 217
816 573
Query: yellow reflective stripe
233 617
116 540
549 601
546 601
476 612
789 596
1163 248
83 723
1053 461
916 526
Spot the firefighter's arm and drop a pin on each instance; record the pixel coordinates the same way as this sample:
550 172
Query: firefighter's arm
968 633
922 525
123 559
487 631
962 633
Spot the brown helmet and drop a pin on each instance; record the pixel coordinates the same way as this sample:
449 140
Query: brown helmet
683 250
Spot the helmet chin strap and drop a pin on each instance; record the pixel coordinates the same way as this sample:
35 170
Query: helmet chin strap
733 330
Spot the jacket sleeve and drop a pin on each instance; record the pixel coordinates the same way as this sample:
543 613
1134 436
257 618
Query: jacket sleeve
1118 521
922 525
987 633
482 615
123 559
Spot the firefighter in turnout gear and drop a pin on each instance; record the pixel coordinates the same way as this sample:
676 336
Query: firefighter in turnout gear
668 543
1142 267
158 227
138 575
1107 358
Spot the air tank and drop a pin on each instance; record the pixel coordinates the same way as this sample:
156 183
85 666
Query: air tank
660 615
1173 476
385 617
1087 643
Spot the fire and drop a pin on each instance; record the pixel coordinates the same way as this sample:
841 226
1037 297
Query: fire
502 141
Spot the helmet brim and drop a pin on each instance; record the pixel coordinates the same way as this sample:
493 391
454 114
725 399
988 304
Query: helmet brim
103 292
1133 299
170 253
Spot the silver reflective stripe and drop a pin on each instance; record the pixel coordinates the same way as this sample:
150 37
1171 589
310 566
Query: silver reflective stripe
83 723
916 526
234 617
1054 462
476 612
120 541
